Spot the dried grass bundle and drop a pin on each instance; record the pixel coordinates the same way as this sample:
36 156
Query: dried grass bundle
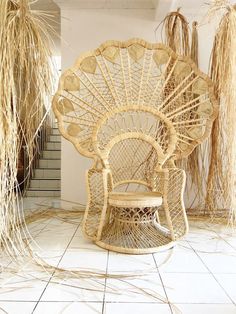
214 10
25 87
176 32
222 173
195 163
194 43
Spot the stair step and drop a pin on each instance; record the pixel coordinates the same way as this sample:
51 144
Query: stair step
47 173
46 181
53 145
42 193
51 154
55 138
49 163
43 184
55 131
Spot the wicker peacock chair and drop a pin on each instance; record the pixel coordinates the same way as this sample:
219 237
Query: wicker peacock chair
135 108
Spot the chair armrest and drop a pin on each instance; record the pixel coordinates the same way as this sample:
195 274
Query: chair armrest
160 181
170 182
99 183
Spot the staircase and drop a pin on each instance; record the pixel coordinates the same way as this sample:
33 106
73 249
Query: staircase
46 178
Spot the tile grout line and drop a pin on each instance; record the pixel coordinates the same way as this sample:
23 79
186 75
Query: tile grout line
41 230
112 302
55 270
219 237
227 242
37 234
213 276
162 284
104 294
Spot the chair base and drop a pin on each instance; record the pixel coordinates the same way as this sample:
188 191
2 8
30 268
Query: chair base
134 231
136 251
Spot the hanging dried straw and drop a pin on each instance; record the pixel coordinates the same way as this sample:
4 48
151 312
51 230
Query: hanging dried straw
222 172
25 87
195 163
194 43
214 10
176 35
176 32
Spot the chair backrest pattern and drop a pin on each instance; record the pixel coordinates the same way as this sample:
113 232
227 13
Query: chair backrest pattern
133 105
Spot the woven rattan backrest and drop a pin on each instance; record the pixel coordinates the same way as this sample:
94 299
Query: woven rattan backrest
131 125
132 160
140 77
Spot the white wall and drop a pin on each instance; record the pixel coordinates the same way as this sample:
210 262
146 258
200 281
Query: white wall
84 30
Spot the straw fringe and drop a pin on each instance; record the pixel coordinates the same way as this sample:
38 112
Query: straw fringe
195 164
222 173
194 43
176 30
177 37
25 87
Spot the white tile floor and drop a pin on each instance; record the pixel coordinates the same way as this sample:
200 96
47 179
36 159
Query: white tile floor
198 276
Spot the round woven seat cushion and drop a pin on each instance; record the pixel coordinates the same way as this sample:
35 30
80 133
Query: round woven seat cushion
135 199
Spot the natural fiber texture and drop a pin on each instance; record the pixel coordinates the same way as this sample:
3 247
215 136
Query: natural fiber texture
134 108
194 43
222 173
25 87
195 164
215 9
176 33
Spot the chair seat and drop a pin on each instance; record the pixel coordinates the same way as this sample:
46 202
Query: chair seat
135 199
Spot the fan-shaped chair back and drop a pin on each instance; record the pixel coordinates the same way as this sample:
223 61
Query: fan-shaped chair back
129 78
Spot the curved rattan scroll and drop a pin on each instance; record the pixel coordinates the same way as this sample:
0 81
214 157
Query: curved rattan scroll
135 107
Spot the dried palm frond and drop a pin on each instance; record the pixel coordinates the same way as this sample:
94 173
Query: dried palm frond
222 173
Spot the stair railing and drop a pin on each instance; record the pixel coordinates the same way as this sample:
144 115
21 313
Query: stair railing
40 141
